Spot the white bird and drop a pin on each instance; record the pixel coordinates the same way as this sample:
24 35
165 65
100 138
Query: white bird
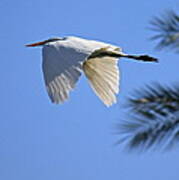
64 59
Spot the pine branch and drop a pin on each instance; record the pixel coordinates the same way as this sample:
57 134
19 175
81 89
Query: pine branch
155 118
167 28
144 134
155 100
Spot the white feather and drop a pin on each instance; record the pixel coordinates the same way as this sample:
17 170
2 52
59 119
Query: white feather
103 75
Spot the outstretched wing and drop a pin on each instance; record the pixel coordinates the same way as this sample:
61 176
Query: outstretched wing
103 75
61 68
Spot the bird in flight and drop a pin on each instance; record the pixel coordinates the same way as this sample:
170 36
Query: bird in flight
64 59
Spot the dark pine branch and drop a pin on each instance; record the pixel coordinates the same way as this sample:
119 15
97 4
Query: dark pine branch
155 118
155 100
167 28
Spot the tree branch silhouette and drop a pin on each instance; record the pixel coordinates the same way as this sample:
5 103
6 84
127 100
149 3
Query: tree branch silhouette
154 118
167 28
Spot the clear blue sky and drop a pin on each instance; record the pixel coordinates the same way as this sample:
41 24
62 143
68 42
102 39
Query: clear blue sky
42 141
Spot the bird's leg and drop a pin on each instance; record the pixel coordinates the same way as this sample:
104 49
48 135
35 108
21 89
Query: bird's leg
145 58
103 52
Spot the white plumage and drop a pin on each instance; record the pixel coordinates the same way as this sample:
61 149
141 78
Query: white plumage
103 75
64 59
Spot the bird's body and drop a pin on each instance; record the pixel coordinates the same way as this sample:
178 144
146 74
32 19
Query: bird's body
64 59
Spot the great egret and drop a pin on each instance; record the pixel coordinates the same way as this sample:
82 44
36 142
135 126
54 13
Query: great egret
64 59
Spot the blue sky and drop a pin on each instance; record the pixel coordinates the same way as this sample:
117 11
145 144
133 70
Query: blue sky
43 141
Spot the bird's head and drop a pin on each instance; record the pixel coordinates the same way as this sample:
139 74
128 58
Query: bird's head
41 43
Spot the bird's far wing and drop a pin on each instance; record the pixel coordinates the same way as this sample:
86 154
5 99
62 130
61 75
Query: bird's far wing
103 75
62 69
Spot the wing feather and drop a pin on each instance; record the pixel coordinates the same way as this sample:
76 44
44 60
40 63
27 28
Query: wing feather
61 72
103 75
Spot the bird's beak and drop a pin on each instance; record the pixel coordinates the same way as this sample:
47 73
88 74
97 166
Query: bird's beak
36 44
